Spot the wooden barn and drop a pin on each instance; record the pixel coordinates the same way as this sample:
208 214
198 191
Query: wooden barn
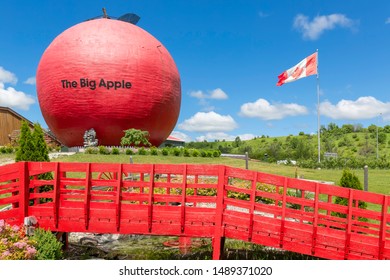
10 123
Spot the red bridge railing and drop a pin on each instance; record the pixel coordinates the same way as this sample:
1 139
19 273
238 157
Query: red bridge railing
207 201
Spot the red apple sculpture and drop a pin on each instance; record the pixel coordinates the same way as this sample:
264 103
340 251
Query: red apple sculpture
108 75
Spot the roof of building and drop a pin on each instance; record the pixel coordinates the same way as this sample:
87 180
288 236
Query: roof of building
175 139
12 112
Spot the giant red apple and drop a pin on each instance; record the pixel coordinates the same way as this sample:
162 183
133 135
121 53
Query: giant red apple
108 75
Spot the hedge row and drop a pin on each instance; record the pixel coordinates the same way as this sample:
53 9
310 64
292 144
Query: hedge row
176 151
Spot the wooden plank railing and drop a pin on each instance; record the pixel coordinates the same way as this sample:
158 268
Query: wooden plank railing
206 201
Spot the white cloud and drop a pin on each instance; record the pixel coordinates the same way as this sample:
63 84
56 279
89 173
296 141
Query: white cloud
312 30
181 136
387 20
208 122
212 94
30 81
264 110
9 97
211 136
262 14
366 107
7 77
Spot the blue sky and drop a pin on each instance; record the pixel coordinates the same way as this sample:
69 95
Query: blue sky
229 54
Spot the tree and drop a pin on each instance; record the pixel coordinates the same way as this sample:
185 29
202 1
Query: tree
41 152
237 141
349 180
32 145
136 138
26 148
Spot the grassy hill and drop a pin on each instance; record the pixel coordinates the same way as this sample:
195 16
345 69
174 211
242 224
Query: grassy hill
361 146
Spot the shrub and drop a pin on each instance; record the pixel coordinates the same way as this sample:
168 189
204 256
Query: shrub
195 153
186 153
165 152
153 151
176 151
115 151
216 153
129 152
142 151
349 180
9 150
203 153
47 245
91 151
14 244
103 150
2 150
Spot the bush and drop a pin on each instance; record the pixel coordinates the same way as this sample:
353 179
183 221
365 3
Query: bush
14 244
91 151
349 180
154 151
129 152
216 153
203 153
195 153
2 150
165 152
186 153
176 151
115 151
103 150
47 245
142 151
9 150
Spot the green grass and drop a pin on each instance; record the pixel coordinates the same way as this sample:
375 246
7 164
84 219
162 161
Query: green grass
378 180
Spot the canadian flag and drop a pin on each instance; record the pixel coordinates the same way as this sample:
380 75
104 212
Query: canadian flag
306 67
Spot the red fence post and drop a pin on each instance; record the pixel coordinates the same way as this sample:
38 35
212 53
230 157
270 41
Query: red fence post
252 205
382 234
24 187
183 199
283 212
218 231
349 224
151 200
56 192
87 195
315 221
118 201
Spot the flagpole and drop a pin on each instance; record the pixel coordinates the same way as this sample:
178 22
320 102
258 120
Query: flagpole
318 113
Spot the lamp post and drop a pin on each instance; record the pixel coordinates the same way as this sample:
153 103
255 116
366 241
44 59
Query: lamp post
377 137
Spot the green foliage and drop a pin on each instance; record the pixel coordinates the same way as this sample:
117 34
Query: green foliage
115 151
186 153
91 151
129 152
32 145
165 151
103 150
142 151
14 244
195 153
154 151
47 245
26 149
349 180
41 151
6 150
136 138
176 151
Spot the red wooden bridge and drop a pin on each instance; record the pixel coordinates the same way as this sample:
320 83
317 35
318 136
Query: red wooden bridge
205 201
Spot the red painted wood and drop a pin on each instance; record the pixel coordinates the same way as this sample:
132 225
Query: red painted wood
174 203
